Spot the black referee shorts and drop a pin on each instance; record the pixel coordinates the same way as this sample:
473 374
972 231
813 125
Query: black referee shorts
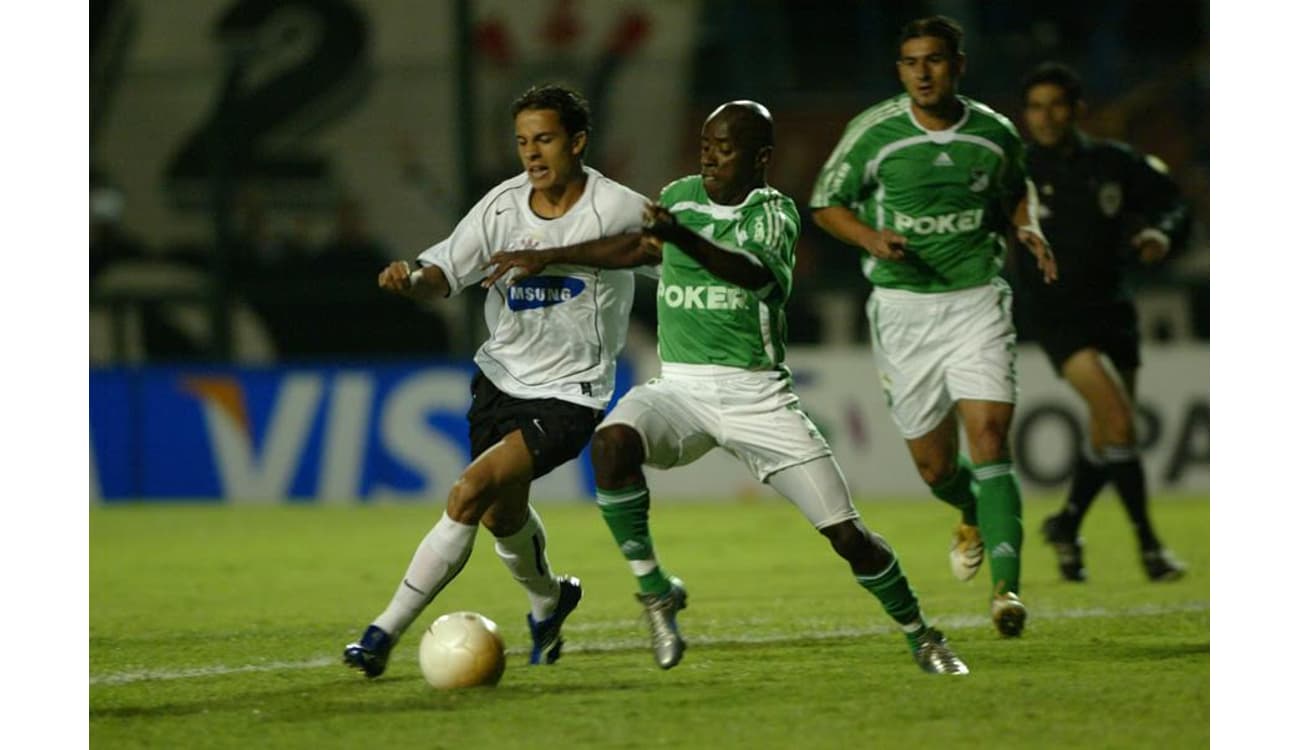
1110 328
555 431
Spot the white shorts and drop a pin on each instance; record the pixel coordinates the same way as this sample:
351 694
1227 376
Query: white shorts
688 410
933 350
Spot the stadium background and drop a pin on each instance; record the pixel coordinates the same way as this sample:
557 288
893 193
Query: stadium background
255 162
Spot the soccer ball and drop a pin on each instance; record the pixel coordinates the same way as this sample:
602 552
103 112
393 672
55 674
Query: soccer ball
462 649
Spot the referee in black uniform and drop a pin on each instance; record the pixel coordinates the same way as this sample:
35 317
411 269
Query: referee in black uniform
1103 206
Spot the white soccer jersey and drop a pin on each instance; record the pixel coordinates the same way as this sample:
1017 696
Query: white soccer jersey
555 335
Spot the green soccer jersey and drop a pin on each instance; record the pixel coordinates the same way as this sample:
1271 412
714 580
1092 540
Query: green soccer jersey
949 192
704 320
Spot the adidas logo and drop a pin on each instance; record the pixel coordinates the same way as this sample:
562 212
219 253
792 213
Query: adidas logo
1004 550
942 160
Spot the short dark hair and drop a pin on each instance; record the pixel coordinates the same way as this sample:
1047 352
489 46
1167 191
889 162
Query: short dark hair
575 114
1057 74
942 27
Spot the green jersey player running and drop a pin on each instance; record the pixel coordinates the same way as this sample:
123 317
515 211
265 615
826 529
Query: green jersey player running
725 242
924 183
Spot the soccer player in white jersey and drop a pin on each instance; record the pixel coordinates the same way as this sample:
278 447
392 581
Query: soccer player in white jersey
925 184
726 242
546 371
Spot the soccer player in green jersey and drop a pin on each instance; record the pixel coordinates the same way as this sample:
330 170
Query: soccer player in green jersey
725 243
926 184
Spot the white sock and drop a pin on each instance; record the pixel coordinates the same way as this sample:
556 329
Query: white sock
439 558
524 553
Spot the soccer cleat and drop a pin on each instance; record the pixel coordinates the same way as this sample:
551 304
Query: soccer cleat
934 656
369 654
546 634
1068 549
1161 565
966 552
1009 614
661 612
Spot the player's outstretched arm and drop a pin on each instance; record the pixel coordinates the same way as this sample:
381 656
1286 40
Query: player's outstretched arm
841 223
1027 231
619 251
740 269
400 277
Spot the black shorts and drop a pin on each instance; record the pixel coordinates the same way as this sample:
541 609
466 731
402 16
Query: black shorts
1110 328
555 431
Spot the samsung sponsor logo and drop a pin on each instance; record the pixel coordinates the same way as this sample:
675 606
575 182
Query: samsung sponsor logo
543 291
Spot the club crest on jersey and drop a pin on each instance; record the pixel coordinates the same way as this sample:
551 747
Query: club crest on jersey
1109 198
543 291
979 180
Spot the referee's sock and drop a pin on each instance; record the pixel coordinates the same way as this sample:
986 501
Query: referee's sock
1090 475
1125 469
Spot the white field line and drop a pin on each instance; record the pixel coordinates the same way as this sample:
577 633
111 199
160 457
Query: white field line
948 623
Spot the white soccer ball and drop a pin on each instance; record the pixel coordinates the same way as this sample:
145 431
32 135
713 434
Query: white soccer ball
462 649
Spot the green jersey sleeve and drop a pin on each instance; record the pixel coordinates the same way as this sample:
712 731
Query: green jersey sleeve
769 232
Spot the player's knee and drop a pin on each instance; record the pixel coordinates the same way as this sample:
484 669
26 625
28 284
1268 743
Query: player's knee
988 442
616 453
936 470
468 499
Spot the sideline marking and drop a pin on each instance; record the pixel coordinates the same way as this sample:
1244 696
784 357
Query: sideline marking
950 623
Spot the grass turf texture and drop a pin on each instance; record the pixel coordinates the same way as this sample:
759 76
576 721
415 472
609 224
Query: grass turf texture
215 627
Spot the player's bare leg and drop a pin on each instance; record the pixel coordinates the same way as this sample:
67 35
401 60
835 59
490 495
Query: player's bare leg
948 474
616 456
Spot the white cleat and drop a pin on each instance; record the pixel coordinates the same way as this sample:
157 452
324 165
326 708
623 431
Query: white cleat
1009 614
966 553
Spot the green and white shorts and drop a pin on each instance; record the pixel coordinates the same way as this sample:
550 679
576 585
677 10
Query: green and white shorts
935 349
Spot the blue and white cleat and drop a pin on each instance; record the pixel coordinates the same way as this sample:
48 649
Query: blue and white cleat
546 634
661 612
369 654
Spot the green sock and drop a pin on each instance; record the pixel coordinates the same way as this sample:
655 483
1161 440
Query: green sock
1000 522
627 514
896 596
957 490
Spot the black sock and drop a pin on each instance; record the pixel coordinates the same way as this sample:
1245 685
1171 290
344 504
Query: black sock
1089 477
1131 481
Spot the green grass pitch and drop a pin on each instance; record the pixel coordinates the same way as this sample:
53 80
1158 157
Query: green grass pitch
221 627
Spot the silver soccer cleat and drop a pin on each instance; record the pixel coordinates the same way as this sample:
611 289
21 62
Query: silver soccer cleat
934 656
966 552
661 612
1009 614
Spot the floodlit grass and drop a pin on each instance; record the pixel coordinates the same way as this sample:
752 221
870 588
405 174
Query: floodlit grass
222 626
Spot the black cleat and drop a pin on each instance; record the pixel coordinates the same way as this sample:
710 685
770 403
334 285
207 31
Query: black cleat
1068 548
370 653
1161 565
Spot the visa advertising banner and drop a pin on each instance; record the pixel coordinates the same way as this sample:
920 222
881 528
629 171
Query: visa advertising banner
315 434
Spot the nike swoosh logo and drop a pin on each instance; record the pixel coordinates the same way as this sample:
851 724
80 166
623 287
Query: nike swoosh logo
502 210
538 424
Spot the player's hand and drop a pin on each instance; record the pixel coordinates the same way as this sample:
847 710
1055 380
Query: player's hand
1150 249
659 223
887 245
396 277
523 263
1042 251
